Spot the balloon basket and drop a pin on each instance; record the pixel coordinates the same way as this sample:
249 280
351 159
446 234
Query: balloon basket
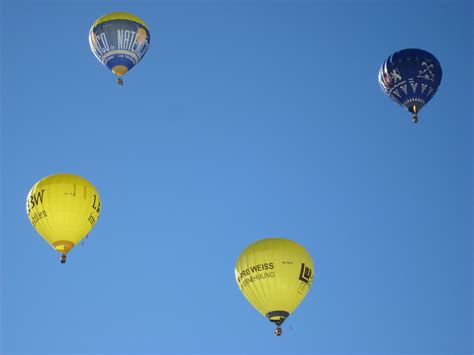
63 258
278 331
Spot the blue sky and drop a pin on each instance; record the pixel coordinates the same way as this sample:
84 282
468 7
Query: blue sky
246 119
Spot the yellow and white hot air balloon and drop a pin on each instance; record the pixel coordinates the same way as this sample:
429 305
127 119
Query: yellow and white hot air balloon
63 208
274 275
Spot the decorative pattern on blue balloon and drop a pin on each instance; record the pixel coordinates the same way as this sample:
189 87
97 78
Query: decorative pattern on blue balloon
411 77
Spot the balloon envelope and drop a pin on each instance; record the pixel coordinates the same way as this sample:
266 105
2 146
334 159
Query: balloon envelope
274 275
119 40
410 77
63 208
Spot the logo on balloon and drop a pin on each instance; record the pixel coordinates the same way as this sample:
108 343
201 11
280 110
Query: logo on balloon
34 200
305 273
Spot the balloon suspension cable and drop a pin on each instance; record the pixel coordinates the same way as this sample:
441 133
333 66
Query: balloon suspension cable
278 331
63 258
415 115
120 81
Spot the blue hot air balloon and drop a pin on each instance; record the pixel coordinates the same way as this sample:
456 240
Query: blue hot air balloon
411 77
119 40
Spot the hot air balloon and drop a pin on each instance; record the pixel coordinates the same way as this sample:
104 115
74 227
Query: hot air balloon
411 77
119 40
63 208
274 275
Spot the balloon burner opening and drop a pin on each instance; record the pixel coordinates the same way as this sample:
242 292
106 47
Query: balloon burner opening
120 70
415 114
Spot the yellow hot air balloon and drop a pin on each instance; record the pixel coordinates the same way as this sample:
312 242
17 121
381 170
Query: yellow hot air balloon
274 275
63 208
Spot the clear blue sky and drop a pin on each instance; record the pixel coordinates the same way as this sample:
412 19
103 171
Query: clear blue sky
246 119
